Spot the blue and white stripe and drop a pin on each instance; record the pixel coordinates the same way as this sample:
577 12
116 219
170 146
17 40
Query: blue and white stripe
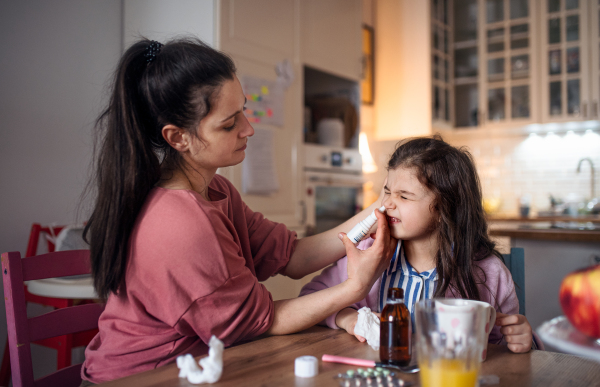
400 274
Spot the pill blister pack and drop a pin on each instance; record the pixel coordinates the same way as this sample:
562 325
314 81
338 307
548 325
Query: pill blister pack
375 377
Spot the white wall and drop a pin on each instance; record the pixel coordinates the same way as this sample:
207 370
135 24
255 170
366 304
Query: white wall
55 59
162 20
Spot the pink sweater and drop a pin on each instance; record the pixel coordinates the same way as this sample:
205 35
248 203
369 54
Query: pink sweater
194 270
498 289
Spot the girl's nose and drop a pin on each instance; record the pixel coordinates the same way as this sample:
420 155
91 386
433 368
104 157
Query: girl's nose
389 204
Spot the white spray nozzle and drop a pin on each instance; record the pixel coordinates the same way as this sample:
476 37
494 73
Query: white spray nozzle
359 231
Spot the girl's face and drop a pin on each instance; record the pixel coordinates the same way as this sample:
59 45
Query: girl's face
409 206
223 133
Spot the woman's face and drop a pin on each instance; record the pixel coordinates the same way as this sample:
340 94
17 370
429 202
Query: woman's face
409 206
223 133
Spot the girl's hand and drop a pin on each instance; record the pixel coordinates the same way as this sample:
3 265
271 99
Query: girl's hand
516 330
347 319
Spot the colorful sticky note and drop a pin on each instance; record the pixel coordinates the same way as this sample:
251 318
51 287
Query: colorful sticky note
269 112
264 90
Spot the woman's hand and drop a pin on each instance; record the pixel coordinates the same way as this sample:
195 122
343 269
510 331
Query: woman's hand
347 319
365 266
516 330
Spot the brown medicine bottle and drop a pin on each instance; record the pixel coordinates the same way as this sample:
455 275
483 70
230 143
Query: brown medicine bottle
395 330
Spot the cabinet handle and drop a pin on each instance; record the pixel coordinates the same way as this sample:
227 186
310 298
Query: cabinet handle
584 109
595 108
303 206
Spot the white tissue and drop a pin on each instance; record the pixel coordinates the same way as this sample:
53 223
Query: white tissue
367 326
212 365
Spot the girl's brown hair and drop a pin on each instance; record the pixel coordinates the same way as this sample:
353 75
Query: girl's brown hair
450 174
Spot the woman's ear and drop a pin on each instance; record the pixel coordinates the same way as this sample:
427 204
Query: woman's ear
176 137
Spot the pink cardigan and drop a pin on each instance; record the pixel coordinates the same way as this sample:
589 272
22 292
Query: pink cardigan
498 290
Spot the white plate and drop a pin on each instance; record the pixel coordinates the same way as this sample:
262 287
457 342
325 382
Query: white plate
559 333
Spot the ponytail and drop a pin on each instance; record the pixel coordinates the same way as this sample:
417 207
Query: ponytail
174 87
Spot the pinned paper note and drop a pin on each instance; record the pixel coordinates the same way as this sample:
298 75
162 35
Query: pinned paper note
264 101
259 176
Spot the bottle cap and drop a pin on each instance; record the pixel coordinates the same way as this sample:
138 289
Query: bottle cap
306 366
395 293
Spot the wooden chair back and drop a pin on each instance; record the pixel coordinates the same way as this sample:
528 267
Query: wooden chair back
22 330
515 261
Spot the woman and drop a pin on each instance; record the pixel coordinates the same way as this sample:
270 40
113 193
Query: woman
174 249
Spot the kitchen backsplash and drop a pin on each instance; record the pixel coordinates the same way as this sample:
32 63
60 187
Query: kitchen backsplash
511 167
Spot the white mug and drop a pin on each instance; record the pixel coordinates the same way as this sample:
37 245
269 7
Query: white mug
457 314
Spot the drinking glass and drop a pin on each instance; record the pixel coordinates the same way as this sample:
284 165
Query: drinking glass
448 343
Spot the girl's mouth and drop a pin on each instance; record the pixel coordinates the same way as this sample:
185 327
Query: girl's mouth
393 220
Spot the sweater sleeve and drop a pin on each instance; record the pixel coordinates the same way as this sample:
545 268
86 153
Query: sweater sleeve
331 276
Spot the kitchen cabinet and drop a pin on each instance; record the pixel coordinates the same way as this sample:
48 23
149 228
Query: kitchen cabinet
566 50
258 40
331 36
494 52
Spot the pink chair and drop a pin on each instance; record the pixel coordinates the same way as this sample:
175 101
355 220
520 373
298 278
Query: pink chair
22 331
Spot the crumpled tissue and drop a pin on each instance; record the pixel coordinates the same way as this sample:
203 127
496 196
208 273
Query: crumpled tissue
212 365
367 326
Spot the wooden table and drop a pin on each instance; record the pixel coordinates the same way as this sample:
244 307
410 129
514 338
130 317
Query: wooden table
270 362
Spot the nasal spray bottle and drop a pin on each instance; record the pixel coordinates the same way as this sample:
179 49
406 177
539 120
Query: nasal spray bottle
359 231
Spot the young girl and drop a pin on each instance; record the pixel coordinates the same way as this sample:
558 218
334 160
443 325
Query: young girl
433 205
174 249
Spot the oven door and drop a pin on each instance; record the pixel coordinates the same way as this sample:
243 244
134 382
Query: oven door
331 199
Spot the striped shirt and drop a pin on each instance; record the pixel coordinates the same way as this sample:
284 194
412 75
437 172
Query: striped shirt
400 274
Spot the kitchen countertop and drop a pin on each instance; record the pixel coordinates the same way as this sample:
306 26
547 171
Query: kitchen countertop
559 228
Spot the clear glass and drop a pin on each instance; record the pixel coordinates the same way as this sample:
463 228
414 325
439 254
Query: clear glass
553 31
436 102
496 104
554 62
496 69
494 10
465 20
465 62
519 96
573 60
466 105
446 105
519 66
448 359
555 98
553 6
495 40
573 97
572 23
519 8
334 205
571 4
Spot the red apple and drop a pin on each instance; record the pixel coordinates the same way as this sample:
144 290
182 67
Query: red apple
580 300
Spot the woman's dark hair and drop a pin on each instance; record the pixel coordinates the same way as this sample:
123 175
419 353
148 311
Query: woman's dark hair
450 174
176 86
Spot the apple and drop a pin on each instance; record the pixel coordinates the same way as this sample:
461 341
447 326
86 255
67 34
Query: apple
580 300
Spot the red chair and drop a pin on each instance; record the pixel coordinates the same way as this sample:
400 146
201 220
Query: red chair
65 343
22 331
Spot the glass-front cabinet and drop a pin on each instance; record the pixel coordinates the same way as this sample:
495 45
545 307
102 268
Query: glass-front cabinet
595 54
515 62
565 55
508 34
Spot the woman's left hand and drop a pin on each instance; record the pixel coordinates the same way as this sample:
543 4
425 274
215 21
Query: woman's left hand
516 330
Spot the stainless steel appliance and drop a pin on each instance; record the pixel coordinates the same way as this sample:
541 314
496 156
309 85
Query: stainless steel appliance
333 185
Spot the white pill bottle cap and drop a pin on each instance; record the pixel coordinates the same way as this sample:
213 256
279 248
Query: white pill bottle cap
306 366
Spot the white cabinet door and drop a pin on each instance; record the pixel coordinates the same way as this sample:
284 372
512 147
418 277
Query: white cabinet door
331 36
258 34
508 34
565 57
594 81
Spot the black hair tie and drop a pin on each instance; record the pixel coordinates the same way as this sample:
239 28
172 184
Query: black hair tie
152 50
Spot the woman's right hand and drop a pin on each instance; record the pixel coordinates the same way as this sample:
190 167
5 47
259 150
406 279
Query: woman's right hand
365 266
